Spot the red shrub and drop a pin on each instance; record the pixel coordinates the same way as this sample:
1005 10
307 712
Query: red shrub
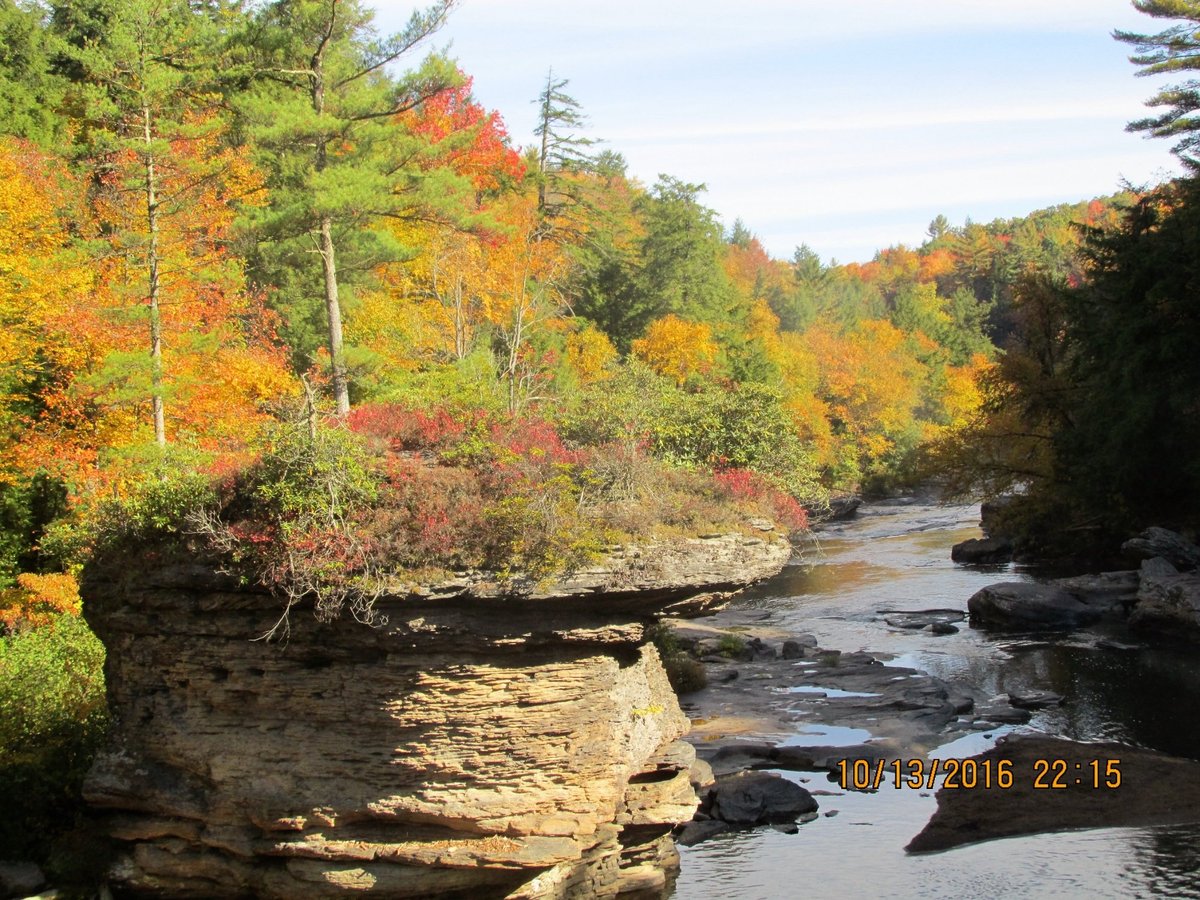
405 428
743 484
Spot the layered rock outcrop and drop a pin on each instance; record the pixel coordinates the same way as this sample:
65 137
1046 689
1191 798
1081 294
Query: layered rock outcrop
476 743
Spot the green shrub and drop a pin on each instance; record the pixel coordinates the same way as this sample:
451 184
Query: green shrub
52 717
686 675
731 645
744 426
171 483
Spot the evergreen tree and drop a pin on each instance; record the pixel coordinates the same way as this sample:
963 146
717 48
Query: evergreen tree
324 112
561 151
31 92
1176 49
680 257
144 77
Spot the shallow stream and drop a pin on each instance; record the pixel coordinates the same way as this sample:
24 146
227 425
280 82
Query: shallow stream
897 557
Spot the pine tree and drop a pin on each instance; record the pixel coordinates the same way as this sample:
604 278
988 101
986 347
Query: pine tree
144 75
324 111
561 150
1174 50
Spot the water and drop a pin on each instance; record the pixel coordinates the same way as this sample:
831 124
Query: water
896 557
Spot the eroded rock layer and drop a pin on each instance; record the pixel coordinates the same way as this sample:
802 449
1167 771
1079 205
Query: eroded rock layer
475 743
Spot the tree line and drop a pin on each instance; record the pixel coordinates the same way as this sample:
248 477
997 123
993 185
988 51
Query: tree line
221 215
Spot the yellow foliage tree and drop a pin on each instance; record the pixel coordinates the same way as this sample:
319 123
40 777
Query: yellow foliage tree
590 354
871 383
677 348
37 599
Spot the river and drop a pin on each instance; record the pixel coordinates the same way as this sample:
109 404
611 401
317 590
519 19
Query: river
897 556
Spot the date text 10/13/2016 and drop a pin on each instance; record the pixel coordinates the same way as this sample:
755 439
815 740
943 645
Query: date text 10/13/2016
973 774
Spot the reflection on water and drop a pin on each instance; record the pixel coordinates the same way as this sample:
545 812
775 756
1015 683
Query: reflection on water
897 558
826 736
854 855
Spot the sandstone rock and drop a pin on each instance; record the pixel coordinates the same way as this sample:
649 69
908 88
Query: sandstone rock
1171 546
758 798
701 774
478 742
1168 605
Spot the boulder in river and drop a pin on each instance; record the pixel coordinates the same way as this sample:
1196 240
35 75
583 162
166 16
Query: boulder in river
692 833
982 551
1027 606
1059 605
758 798
840 508
1168 605
1135 787
1170 545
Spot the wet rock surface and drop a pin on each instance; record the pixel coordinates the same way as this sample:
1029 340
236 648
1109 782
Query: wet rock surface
1058 605
982 551
499 745
1153 789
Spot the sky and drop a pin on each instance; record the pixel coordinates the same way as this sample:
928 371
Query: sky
844 126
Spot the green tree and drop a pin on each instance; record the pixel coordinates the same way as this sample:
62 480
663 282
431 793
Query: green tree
323 110
1174 50
680 257
561 150
31 91
797 306
144 72
1131 331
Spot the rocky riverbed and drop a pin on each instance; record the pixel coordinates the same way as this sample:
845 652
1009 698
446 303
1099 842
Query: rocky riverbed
880 659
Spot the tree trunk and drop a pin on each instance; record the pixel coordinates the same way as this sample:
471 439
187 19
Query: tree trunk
156 376
333 309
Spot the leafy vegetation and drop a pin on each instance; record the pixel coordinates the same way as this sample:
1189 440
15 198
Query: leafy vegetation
1091 413
52 717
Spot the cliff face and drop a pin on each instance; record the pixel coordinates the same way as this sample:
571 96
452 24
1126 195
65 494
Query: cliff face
523 747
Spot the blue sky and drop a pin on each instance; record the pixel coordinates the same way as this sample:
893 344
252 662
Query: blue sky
848 127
